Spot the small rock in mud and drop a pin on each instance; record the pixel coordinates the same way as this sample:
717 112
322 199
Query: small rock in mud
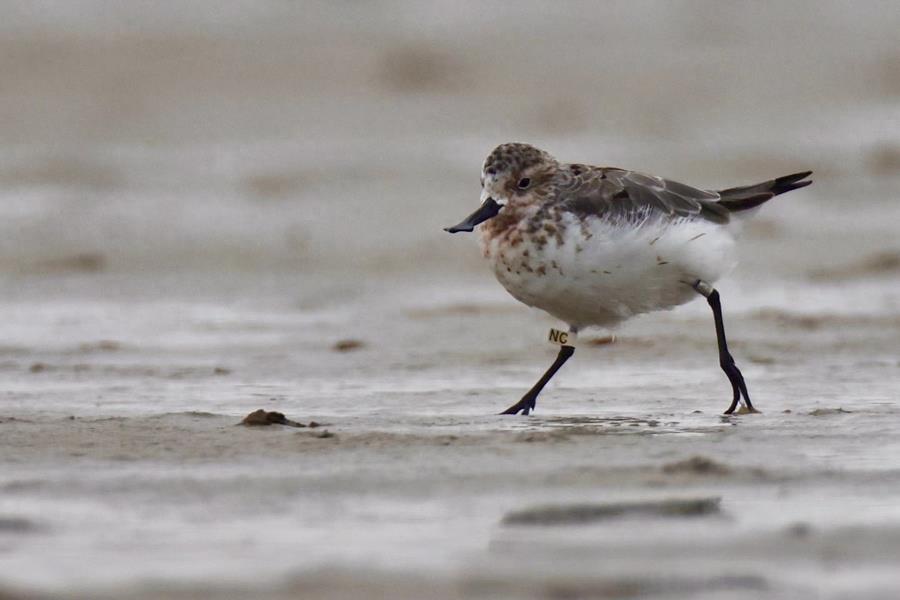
221 371
577 514
268 417
697 465
347 345
324 434
314 424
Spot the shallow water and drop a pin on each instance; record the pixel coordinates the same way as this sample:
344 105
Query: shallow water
121 446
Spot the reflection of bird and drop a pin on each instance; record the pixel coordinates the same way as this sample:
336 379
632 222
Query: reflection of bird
597 245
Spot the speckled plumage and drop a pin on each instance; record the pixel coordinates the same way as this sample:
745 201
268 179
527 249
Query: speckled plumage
596 245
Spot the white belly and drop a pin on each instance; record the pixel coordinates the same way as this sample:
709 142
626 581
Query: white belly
598 273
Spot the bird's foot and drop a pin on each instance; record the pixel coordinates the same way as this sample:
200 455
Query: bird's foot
741 400
523 406
741 407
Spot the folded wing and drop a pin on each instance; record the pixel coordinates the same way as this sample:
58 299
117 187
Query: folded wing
616 193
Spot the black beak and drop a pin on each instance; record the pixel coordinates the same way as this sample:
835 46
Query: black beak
487 211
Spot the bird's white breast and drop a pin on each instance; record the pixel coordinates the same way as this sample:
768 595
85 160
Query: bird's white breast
597 272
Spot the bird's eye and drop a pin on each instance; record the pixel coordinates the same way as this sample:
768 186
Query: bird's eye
524 183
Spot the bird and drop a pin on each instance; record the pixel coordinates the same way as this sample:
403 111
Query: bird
595 246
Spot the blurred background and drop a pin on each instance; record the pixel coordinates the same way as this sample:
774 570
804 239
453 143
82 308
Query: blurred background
317 135
209 207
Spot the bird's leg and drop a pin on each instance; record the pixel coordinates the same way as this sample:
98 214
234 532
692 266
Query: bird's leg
526 404
726 361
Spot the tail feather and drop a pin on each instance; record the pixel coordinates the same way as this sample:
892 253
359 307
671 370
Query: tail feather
746 197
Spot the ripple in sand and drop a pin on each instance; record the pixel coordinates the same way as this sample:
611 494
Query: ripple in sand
577 514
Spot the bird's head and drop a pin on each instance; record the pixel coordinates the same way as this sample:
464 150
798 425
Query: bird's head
512 173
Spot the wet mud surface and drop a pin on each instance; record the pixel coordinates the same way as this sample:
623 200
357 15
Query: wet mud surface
215 212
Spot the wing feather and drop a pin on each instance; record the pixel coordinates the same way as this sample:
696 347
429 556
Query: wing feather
617 193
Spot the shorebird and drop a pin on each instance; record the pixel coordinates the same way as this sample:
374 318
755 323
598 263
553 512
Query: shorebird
595 246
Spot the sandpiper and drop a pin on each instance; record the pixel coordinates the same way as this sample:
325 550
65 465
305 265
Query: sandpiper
594 246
